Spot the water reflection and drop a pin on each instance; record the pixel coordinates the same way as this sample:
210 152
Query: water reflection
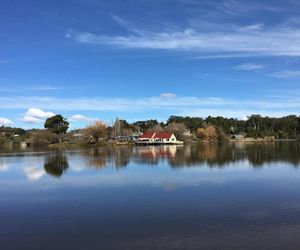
152 198
55 165
212 155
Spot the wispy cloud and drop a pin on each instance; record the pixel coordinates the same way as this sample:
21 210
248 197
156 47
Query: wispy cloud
249 66
253 40
287 74
44 88
37 88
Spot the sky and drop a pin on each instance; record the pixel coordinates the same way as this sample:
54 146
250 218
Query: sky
147 59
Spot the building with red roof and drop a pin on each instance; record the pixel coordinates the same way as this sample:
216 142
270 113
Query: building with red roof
158 138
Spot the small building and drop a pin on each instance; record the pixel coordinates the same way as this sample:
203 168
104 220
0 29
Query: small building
158 138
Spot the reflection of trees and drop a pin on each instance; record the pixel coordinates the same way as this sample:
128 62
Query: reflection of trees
210 154
101 157
122 155
56 165
96 157
213 155
259 154
220 155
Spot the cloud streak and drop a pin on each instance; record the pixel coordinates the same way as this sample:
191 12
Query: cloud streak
249 66
287 74
251 40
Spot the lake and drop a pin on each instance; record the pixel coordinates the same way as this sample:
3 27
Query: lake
235 196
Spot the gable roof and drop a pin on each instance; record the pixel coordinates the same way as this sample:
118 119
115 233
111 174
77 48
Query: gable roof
163 135
158 135
147 135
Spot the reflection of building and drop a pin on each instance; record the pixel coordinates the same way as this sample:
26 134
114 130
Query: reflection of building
158 138
157 152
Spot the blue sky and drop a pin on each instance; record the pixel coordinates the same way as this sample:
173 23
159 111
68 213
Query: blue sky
141 59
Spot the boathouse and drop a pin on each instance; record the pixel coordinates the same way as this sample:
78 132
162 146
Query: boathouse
158 138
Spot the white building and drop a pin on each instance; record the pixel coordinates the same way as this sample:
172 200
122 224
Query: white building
158 138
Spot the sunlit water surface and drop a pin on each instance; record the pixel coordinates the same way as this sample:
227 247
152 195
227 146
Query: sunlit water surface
242 196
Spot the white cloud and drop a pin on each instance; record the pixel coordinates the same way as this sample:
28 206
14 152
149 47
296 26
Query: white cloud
83 118
36 115
39 113
254 40
249 66
286 74
5 122
30 119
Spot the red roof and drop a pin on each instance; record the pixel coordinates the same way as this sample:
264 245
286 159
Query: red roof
163 135
159 135
147 135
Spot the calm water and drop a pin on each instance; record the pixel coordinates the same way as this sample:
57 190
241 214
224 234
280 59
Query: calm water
187 197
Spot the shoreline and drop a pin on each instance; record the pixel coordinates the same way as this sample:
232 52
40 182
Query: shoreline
66 145
116 144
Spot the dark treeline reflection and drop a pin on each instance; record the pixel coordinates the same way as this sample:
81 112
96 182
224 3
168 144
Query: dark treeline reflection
213 155
55 165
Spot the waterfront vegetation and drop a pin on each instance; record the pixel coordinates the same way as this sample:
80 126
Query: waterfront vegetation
188 129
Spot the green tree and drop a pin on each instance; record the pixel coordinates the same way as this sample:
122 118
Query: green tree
57 124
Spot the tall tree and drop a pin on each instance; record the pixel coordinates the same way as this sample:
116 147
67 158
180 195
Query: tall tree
57 124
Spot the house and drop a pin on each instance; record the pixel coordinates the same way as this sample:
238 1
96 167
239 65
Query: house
158 138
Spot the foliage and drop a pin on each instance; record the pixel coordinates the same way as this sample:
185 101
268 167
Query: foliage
41 138
95 131
191 123
9 131
254 126
209 133
143 126
177 128
57 124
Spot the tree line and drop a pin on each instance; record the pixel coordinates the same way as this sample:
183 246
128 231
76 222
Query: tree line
185 128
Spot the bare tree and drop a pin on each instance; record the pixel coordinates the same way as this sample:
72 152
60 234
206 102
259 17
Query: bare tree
95 131
177 128
209 133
